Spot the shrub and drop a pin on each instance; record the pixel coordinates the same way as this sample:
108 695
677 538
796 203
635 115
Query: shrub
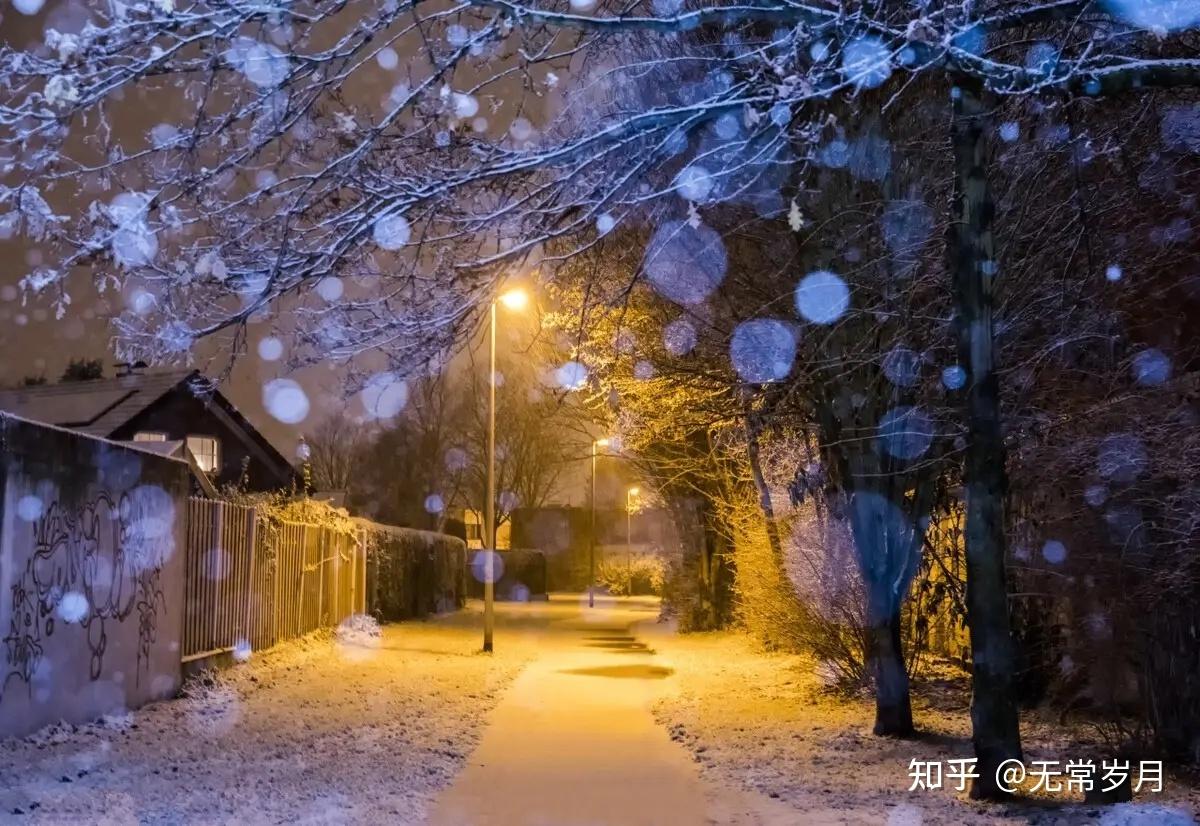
639 574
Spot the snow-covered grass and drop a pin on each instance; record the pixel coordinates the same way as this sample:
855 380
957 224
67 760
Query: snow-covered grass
765 722
352 728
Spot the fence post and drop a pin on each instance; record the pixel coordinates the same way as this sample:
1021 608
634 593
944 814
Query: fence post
189 578
214 622
362 576
249 624
303 576
322 550
338 541
275 608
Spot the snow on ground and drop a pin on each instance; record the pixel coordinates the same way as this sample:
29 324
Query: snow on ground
763 721
354 728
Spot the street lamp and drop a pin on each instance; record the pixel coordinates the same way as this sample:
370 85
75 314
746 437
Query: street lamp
598 443
629 497
516 300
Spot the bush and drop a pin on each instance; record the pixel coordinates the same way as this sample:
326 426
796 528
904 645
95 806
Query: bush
636 575
814 599
359 629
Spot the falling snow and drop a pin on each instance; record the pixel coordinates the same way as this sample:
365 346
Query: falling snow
391 232
286 400
685 264
762 350
822 297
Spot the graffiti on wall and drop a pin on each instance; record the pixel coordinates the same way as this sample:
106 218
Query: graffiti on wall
91 567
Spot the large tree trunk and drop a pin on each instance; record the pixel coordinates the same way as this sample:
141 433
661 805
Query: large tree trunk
971 248
893 711
884 566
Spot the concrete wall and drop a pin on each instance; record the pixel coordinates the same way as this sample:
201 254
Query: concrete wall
91 576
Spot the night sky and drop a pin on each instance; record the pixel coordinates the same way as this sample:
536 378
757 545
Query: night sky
34 343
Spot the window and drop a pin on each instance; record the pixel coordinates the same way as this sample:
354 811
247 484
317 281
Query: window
149 436
207 451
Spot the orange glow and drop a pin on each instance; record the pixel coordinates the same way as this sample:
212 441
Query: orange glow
515 299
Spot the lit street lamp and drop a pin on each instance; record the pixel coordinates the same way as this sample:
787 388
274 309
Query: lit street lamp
515 300
592 548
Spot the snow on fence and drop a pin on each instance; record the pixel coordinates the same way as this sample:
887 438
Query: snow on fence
251 583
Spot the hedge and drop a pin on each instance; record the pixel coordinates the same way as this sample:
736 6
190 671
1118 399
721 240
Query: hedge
524 568
411 573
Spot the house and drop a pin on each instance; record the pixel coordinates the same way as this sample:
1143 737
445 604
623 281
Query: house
471 523
165 411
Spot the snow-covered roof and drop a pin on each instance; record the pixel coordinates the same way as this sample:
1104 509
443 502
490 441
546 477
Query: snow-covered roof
95 407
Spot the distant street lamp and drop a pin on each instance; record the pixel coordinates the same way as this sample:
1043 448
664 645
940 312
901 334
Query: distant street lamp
630 495
598 443
515 300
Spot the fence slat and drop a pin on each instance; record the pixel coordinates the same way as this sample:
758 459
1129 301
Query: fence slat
246 582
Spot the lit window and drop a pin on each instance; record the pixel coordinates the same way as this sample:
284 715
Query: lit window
207 451
149 436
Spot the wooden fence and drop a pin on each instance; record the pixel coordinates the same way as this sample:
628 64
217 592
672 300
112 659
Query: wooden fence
252 583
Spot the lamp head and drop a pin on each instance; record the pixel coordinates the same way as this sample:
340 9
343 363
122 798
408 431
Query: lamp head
514 299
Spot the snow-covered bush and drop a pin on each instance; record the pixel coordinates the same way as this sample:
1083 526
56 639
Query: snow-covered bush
639 574
820 564
359 629
275 508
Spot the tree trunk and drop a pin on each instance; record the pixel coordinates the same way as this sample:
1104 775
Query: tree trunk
753 428
893 711
994 723
710 609
706 619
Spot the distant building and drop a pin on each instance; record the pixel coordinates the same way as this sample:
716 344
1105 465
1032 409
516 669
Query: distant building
467 524
563 533
174 409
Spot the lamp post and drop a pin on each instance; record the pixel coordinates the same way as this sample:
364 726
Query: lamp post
515 300
629 497
597 443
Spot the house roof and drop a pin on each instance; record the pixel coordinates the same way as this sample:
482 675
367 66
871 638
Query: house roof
101 406
95 407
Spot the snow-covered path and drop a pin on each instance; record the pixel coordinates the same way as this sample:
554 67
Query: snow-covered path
314 732
384 731
573 741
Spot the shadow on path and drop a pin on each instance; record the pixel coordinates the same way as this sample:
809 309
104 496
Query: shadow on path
636 672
